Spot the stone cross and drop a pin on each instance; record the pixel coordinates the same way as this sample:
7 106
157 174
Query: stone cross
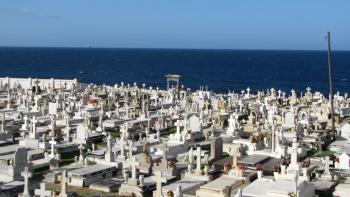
25 118
178 191
121 146
81 153
165 150
109 143
34 121
130 149
273 138
235 154
52 123
159 180
42 192
198 167
2 123
158 134
326 165
64 184
26 175
190 156
178 126
44 137
316 125
206 103
248 92
52 142
134 164
127 111
308 89
279 93
294 156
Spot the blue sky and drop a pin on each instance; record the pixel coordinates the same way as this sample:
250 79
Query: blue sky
216 24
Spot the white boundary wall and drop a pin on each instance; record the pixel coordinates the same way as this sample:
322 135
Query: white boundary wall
28 83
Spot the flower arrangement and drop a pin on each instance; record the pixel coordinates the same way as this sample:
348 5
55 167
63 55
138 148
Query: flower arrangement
240 167
306 163
227 164
258 167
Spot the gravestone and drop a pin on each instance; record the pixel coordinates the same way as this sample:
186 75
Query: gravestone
198 166
178 191
235 151
345 131
190 156
289 119
109 156
26 175
33 133
134 165
43 192
20 161
159 180
326 174
299 129
216 145
64 188
194 123
319 143
344 161
53 143
145 159
52 108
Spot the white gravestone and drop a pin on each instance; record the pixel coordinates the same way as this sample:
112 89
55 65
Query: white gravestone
159 180
344 161
43 192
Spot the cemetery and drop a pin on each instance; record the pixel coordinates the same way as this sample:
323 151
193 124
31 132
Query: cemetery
60 137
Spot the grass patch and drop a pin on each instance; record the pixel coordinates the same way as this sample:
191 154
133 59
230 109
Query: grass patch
315 152
168 131
68 158
328 152
311 152
100 144
91 162
114 134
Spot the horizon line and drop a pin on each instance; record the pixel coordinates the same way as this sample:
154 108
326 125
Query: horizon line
172 48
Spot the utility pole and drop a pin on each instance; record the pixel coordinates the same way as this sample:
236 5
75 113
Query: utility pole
330 79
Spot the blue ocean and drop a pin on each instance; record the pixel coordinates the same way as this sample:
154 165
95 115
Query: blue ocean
219 70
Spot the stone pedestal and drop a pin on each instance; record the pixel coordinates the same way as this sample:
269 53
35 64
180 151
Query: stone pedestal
29 143
130 190
205 178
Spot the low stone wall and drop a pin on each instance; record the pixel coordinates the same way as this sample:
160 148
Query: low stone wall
28 83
